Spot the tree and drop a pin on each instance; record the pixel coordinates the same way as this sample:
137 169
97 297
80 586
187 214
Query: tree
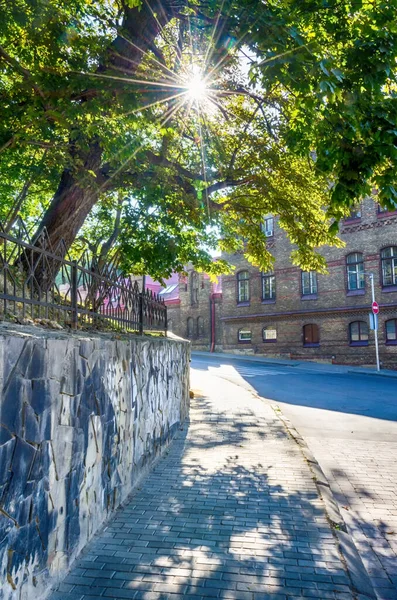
99 88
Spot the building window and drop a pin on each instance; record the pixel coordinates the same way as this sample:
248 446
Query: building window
268 226
244 336
355 213
200 327
269 334
358 333
194 288
391 331
268 286
190 328
355 271
311 335
383 209
243 286
309 283
389 265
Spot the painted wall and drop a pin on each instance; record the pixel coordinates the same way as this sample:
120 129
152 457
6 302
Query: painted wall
81 419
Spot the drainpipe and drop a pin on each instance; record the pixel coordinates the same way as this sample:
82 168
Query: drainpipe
212 305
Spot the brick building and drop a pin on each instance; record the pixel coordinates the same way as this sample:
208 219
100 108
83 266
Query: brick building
291 313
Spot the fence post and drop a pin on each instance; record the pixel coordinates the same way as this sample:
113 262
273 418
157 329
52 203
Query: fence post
141 313
74 295
165 320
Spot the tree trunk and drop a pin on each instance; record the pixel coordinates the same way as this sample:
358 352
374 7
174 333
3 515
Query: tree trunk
73 199
71 204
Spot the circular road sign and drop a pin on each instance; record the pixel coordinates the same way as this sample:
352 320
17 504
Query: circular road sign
375 308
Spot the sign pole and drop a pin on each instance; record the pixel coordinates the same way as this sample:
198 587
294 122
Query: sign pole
371 276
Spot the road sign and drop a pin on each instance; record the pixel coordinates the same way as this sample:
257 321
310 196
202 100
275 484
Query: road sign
375 307
373 321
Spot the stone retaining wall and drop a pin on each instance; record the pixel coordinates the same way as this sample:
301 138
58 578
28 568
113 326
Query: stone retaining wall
81 418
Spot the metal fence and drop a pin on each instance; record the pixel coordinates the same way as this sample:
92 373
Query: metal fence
40 282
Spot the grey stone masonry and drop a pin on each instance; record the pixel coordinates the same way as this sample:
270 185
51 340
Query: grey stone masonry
82 418
231 512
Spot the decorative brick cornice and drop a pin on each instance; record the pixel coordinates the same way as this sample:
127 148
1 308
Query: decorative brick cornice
380 222
337 311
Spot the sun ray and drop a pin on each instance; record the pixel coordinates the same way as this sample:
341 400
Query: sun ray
156 103
160 84
150 57
172 111
210 51
162 29
152 71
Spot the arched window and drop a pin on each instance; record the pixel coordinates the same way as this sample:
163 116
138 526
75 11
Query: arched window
194 288
244 335
355 271
391 331
268 286
200 327
358 333
389 265
311 336
269 333
309 283
190 327
243 286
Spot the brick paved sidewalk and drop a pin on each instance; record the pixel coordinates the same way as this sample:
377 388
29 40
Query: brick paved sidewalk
231 512
363 475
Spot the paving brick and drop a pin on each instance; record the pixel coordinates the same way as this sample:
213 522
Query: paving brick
229 512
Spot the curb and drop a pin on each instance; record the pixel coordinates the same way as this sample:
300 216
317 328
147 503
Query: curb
374 374
296 363
360 581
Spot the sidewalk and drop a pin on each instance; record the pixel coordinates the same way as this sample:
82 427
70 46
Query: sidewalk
232 511
307 364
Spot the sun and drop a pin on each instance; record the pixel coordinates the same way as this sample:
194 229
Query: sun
196 85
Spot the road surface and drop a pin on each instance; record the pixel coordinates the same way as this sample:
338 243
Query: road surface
349 422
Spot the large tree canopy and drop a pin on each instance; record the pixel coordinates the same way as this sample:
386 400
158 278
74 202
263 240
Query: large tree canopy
158 127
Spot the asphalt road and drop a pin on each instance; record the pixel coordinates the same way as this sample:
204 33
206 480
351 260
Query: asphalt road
318 399
349 421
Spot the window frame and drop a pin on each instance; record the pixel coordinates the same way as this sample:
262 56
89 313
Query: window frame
356 217
311 344
271 277
359 274
241 330
271 340
311 294
190 320
194 288
384 212
200 327
267 219
391 342
389 286
359 342
240 280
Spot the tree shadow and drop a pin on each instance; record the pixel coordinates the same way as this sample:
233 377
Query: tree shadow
216 518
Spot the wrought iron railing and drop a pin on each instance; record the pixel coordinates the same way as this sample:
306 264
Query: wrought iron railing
40 282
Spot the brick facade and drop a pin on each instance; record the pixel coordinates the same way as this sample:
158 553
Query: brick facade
332 307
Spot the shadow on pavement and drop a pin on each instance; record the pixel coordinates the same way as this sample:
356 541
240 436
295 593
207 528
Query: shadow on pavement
230 512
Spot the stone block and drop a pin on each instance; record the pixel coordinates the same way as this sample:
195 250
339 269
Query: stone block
38 364
22 462
17 392
43 392
6 452
31 425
